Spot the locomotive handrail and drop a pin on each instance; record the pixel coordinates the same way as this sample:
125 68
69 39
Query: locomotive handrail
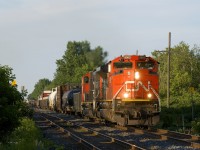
159 103
118 91
153 90
136 89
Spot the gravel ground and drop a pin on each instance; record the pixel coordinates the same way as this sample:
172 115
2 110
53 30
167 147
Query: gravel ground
59 138
142 140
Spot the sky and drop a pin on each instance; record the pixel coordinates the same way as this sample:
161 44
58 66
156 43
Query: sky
34 33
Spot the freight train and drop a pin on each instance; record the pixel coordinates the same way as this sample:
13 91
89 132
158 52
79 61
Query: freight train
122 91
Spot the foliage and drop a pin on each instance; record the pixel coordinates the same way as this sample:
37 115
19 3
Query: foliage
27 136
39 88
11 102
78 59
196 126
173 118
184 74
184 86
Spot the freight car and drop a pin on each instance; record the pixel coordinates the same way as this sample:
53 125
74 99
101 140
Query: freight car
43 100
59 97
122 91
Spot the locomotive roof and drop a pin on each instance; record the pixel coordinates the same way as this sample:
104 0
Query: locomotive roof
133 57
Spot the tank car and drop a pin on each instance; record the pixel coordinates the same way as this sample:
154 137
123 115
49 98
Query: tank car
68 101
61 97
123 91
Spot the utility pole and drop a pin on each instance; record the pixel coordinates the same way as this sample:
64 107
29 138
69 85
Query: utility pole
168 68
168 71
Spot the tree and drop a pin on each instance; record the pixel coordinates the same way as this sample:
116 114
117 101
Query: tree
11 101
196 126
78 59
184 85
39 88
96 57
185 70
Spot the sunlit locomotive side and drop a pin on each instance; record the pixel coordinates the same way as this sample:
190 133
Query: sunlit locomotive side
124 91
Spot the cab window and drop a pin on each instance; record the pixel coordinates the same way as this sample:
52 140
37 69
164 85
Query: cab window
86 79
123 64
145 65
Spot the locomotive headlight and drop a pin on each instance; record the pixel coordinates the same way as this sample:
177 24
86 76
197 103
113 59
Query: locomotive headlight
125 95
137 75
149 95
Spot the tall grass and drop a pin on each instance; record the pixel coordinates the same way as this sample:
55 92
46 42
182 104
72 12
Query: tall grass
27 137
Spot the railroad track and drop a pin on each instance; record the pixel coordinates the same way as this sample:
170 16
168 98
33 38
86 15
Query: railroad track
191 140
88 138
158 137
144 139
186 139
54 133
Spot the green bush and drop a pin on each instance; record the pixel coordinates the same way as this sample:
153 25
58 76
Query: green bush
28 136
12 106
196 126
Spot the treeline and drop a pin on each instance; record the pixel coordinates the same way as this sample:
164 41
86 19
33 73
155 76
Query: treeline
78 59
184 75
184 104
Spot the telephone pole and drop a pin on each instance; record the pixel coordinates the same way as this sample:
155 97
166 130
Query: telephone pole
168 71
168 68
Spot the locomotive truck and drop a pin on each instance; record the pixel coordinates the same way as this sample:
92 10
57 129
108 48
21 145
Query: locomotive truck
122 91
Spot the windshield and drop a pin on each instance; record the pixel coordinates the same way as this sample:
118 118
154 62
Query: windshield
145 65
123 65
